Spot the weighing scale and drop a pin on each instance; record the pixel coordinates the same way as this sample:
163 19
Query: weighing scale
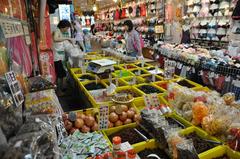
101 66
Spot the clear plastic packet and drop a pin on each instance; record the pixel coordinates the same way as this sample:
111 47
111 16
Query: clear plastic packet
173 139
199 111
186 150
39 83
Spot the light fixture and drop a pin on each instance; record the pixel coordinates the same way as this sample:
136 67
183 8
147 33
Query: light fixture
94 7
115 1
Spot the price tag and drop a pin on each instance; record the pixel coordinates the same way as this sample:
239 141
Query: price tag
14 88
121 74
153 78
83 69
125 66
61 131
134 80
96 79
151 100
116 80
103 117
110 78
142 63
139 72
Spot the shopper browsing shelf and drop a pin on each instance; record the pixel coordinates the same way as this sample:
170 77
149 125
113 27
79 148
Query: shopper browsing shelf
133 40
59 36
79 36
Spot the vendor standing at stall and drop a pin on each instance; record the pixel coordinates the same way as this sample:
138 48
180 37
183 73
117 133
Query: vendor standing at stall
133 41
59 36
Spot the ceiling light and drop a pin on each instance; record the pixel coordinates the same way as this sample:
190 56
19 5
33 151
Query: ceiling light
115 1
94 8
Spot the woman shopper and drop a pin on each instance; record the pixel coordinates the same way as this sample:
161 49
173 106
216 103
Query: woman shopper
59 36
79 36
133 40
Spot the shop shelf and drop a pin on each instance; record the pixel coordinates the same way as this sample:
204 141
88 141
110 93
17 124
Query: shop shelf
129 80
125 73
219 151
150 88
138 70
148 78
121 82
128 66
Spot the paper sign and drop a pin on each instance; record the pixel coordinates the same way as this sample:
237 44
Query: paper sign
159 29
14 88
151 100
103 117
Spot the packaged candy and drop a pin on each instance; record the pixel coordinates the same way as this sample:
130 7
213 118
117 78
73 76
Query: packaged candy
199 111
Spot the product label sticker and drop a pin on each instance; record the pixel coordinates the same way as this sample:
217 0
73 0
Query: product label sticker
14 88
103 117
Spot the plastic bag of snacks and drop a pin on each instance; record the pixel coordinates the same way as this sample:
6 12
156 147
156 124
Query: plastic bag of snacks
173 139
36 139
186 150
199 111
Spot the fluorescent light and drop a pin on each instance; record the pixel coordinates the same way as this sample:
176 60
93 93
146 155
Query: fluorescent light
94 7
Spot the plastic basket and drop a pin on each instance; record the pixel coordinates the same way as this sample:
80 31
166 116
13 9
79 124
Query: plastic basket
142 71
121 82
139 64
218 152
158 88
77 77
149 76
128 80
75 71
137 94
125 73
140 104
128 66
194 85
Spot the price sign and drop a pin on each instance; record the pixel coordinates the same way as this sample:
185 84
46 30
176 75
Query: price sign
11 28
14 88
103 117
151 100
159 29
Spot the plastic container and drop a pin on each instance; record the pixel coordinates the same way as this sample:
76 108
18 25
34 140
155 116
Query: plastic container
121 82
140 105
139 64
150 88
148 78
219 151
129 80
137 94
122 73
139 70
128 66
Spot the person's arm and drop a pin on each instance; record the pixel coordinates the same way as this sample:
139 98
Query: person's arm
58 38
138 43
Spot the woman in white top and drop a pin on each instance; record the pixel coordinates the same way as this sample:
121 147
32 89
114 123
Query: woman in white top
79 36
59 36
